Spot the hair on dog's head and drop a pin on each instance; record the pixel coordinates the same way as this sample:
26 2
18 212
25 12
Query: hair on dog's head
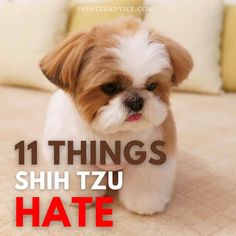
119 74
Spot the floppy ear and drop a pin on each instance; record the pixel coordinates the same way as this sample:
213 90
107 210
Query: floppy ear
181 60
63 64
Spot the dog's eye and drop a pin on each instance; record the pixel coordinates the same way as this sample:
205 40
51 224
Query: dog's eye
151 86
110 89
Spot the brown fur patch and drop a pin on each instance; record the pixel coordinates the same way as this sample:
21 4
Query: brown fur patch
181 60
64 64
163 80
89 98
169 134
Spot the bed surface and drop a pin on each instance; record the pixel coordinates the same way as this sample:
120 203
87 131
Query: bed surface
204 200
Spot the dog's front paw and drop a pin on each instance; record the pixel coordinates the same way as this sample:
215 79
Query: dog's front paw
143 203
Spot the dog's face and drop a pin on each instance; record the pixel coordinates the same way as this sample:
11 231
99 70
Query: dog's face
119 75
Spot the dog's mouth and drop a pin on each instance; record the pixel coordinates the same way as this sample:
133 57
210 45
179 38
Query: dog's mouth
134 117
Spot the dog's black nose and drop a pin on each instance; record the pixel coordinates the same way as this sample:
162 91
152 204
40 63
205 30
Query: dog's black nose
134 103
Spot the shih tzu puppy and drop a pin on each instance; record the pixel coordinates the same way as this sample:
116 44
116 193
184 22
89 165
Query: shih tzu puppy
115 82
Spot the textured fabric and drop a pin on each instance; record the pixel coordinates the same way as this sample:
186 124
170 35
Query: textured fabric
197 26
229 49
85 14
203 202
29 29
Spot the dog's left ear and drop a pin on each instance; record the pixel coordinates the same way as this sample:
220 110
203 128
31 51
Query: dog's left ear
63 64
181 60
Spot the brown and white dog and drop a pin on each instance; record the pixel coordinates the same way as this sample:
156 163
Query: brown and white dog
115 82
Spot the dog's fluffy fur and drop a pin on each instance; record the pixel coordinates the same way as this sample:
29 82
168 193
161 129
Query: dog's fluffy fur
125 53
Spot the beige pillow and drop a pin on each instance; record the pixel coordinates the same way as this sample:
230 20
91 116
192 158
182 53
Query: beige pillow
29 29
228 55
87 13
197 26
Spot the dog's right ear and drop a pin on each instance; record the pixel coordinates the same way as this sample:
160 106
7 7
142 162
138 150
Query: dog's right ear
63 64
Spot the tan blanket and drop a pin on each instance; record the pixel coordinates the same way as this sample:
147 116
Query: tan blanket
204 201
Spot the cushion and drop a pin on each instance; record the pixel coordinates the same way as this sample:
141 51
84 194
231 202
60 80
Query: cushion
29 29
85 14
197 26
229 49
